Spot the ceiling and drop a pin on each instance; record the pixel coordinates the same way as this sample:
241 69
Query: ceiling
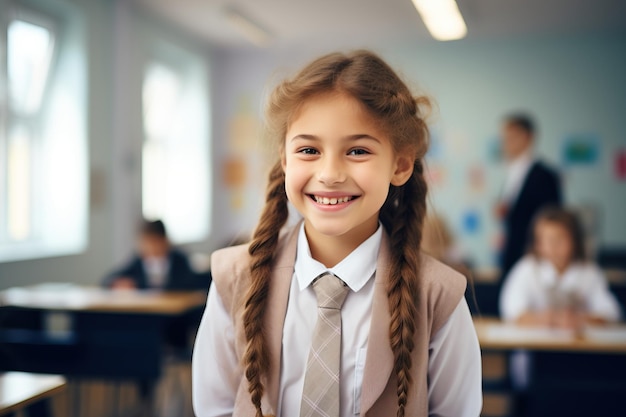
291 22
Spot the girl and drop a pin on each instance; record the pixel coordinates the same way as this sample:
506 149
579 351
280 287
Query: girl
554 285
399 338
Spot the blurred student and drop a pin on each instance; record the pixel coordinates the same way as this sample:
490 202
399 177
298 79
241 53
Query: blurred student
438 241
529 185
157 264
554 285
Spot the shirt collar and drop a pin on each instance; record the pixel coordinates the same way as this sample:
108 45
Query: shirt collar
550 276
522 162
355 269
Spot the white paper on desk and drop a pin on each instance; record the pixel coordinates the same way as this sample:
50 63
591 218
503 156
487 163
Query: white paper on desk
53 296
606 334
514 333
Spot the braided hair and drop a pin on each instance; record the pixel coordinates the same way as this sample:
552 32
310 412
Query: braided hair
368 79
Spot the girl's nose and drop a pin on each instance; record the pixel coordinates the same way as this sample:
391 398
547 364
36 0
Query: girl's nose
331 171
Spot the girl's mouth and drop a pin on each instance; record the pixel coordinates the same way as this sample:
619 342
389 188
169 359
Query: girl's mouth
331 201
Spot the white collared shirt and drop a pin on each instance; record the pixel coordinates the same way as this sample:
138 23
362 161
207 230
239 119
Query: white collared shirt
533 285
454 371
156 269
515 175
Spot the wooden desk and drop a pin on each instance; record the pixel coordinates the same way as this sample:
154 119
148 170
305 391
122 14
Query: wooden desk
570 376
93 333
496 335
18 390
67 297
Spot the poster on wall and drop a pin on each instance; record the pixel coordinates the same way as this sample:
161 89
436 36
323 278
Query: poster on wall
470 221
435 174
476 178
580 149
620 165
435 146
494 149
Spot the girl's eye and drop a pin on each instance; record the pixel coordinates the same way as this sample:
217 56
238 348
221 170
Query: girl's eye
358 151
308 151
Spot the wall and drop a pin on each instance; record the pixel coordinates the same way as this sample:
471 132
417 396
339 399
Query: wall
573 85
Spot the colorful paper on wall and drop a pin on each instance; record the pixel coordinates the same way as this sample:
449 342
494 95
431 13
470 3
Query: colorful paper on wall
476 178
471 222
620 165
494 149
435 175
435 147
580 149
234 172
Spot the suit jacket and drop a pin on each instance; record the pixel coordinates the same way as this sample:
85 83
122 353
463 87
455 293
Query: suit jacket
440 290
179 277
540 188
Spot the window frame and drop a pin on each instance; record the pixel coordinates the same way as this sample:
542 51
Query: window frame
11 118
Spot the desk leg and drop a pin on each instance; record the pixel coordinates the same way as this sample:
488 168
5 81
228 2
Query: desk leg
74 386
147 389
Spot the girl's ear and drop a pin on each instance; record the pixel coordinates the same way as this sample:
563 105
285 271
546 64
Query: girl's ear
283 160
404 169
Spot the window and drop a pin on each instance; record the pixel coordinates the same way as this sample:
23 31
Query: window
42 141
29 51
175 174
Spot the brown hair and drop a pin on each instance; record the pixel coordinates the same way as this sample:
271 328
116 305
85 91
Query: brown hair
153 228
522 121
365 77
566 219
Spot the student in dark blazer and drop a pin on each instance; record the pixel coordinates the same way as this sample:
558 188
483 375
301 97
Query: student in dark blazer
156 265
529 186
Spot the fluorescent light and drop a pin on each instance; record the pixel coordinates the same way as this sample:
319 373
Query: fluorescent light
442 19
251 30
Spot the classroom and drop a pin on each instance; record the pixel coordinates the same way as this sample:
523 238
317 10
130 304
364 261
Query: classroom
134 142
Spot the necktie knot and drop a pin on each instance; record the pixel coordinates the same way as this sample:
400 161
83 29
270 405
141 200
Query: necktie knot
331 292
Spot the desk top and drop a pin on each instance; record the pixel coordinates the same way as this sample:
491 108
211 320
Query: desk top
491 275
497 335
69 297
19 389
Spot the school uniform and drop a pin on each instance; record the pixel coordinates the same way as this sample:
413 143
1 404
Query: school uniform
172 273
446 358
534 285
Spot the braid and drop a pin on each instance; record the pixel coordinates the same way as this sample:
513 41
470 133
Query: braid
402 215
262 250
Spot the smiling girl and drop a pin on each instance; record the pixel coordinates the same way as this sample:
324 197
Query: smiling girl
340 315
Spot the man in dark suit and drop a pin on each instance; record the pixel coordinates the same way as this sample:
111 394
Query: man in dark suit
156 265
530 185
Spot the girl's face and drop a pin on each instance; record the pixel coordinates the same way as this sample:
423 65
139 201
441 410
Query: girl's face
554 244
338 166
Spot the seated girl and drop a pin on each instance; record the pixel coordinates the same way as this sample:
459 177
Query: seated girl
555 285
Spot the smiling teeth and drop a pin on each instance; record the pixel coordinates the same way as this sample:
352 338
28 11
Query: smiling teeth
331 201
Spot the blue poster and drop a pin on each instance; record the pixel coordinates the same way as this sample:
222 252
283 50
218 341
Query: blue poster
580 149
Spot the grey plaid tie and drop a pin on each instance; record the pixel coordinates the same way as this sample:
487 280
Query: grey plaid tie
320 395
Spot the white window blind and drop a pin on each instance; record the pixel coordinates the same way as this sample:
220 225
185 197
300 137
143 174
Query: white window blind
175 154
